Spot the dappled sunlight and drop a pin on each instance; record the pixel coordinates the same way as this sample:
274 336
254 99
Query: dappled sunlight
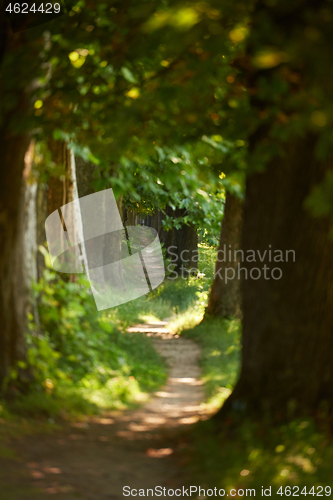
179 402
189 420
160 453
157 327
185 380
163 394
104 421
155 420
139 427
52 470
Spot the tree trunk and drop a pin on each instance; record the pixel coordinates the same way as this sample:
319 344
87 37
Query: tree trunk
287 364
111 244
186 242
85 175
29 257
42 213
131 219
13 292
225 295
181 245
112 252
60 184
60 188
156 221
167 237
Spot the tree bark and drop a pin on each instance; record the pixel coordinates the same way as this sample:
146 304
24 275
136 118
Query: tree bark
42 213
167 237
29 257
113 252
60 184
181 244
225 295
287 364
112 242
85 174
13 292
60 187
186 242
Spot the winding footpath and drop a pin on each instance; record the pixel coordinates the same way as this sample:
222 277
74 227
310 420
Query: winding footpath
94 460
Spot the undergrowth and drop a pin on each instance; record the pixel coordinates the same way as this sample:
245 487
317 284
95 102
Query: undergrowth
294 459
81 362
84 361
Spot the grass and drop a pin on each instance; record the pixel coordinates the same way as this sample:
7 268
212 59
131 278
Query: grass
220 356
256 455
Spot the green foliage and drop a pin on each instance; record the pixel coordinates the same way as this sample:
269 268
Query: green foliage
207 261
68 317
126 83
178 177
81 361
163 143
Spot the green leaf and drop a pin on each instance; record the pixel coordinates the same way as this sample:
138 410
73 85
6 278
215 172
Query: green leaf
128 75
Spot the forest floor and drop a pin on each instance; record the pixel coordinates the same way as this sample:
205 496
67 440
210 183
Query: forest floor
94 459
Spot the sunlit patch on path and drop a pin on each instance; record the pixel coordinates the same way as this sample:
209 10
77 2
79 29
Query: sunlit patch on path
179 402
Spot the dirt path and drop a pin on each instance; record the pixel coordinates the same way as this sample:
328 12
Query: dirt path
95 460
